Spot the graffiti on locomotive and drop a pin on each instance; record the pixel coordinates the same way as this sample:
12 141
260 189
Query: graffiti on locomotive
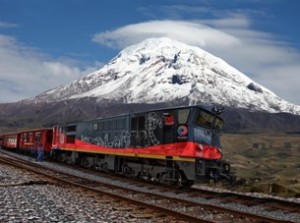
123 140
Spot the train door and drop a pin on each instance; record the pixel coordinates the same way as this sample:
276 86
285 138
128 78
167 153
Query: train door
1 141
38 138
55 137
48 139
137 131
169 122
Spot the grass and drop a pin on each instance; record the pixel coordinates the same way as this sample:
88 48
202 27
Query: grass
267 162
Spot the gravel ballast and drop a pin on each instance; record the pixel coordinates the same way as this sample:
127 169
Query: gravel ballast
78 208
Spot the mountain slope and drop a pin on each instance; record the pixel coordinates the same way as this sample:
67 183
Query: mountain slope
164 70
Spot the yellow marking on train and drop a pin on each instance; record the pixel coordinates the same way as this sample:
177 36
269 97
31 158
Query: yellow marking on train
150 156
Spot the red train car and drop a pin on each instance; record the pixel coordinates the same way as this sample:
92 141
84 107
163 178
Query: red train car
30 140
10 140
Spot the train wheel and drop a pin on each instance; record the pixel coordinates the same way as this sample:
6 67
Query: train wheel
172 178
104 167
187 184
127 171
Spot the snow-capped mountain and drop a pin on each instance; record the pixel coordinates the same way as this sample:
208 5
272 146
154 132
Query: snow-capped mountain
162 70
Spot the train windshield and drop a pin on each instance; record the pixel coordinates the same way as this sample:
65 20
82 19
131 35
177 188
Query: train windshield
207 130
209 121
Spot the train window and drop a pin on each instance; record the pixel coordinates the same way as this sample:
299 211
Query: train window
95 126
183 116
71 128
30 137
24 137
208 120
37 137
120 124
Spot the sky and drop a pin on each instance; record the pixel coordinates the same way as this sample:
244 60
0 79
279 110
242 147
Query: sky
48 43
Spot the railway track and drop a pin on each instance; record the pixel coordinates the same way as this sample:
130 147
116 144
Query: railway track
265 202
192 205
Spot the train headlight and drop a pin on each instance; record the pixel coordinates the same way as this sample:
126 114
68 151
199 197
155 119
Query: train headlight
208 152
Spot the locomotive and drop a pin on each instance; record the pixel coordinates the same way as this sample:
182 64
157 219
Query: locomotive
174 146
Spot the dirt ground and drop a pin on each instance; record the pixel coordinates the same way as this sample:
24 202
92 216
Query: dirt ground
267 162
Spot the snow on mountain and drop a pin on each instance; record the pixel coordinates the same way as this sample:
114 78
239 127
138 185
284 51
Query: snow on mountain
162 70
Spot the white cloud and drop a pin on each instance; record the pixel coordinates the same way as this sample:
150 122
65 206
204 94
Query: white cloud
7 25
25 72
190 32
258 54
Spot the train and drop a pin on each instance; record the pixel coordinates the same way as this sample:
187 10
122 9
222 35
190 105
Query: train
174 146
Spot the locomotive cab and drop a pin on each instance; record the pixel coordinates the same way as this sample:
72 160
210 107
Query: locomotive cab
206 134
